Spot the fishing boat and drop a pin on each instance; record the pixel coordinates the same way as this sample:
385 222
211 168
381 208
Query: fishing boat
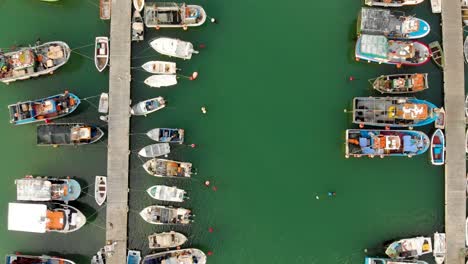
440 121
161 215
139 5
160 67
68 134
30 62
392 3
101 54
43 189
166 240
466 232
398 52
100 189
148 106
161 80
382 143
167 135
465 49
437 53
393 111
138 28
133 257
436 6
26 259
438 148
155 150
392 24
464 8
173 47
173 15
440 248
401 83
105 9
181 256
466 143
42 218
168 168
43 109
409 248
372 260
166 193
103 103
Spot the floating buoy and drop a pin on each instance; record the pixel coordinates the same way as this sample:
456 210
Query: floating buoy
213 20
214 188
193 145
317 197
381 156
361 125
194 75
371 156
207 183
210 253
210 229
202 46
351 78
203 109
357 59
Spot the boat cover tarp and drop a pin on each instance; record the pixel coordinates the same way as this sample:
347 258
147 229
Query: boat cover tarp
374 46
54 134
33 189
377 21
27 217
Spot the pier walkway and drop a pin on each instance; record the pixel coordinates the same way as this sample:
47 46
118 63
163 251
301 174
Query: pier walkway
119 127
455 168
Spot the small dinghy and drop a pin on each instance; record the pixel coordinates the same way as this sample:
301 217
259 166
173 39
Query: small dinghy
148 106
73 134
465 49
155 150
166 193
174 15
372 260
168 168
437 53
162 215
133 257
167 135
105 9
440 121
436 6
409 248
173 47
161 80
101 54
166 240
139 5
180 256
138 28
103 103
43 189
100 189
438 148
401 83
18 259
392 3
440 248
160 67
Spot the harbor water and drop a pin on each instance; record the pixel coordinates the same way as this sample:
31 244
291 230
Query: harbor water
275 80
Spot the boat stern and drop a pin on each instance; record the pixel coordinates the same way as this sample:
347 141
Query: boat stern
423 30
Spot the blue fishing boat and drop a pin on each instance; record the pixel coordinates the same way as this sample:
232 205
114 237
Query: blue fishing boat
438 148
133 257
44 109
382 143
370 260
47 189
393 111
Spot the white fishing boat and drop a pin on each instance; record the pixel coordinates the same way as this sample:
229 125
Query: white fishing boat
166 193
173 15
168 135
436 6
103 103
155 150
105 9
148 106
101 54
183 256
133 257
409 248
464 8
166 240
439 247
138 28
173 47
465 49
139 5
440 121
100 189
27 259
161 80
42 218
162 215
168 168
160 67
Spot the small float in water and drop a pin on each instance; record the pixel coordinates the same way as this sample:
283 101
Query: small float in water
166 193
43 189
160 67
440 121
374 260
437 54
148 106
183 256
392 3
168 168
401 83
173 47
133 257
440 247
101 54
167 135
26 259
138 28
103 103
68 134
438 148
155 150
163 215
105 9
174 15
409 248
161 80
166 240
100 189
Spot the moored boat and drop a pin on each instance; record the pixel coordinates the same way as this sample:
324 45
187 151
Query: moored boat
167 135
168 168
103 103
42 218
71 134
398 52
409 248
382 143
466 143
47 189
155 150
101 53
465 49
440 248
401 83
44 109
160 67
378 21
166 193
438 148
173 15
29 62
173 47
161 80
138 5
375 260
182 256
162 215
464 8
138 28
148 106
440 121
105 9
436 7
392 3
393 111
27 259
437 54
166 240
133 257
100 189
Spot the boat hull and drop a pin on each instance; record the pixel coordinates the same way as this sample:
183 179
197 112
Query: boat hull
392 3
155 150
13 259
101 53
160 67
161 80
372 260
168 168
409 248
61 134
190 253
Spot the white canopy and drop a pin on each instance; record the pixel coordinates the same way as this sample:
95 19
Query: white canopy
27 217
33 190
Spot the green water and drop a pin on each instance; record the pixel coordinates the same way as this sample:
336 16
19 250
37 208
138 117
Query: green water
274 79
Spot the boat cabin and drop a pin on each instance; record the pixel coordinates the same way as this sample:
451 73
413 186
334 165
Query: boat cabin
172 168
81 134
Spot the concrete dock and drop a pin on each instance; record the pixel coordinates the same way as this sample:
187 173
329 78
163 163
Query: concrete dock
119 127
455 169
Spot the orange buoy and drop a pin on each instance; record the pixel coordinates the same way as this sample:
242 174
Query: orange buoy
387 128
398 66
361 125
